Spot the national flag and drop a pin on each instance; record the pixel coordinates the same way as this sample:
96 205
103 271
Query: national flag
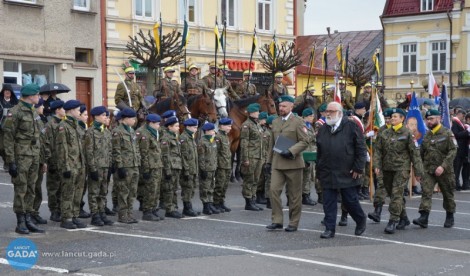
311 63
254 44
339 55
185 37
414 114
345 61
433 90
273 50
324 60
444 107
376 60
377 119
337 91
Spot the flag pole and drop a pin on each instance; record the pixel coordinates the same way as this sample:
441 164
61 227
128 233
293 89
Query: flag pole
312 58
224 48
372 110
324 71
251 58
215 55
412 180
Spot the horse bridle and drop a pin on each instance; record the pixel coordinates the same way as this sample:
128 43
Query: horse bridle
182 108
205 116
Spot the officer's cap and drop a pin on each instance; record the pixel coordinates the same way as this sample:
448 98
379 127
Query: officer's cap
171 121
56 104
128 113
263 115
193 66
286 98
279 75
129 69
40 103
208 126
98 110
30 89
399 111
322 107
190 122
212 65
254 107
153 118
270 119
225 121
223 67
433 112
71 104
359 105
367 85
169 69
307 112
168 114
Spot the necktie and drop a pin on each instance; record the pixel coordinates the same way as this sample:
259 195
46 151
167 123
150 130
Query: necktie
333 128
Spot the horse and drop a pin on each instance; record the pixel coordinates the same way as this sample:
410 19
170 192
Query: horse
238 115
220 101
202 107
177 103
308 100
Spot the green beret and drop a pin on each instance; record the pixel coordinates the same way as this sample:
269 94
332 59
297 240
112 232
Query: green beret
30 89
399 111
270 119
286 98
263 115
254 107
432 112
307 112
387 112
322 107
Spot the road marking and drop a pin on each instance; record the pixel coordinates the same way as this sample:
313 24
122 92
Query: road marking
456 200
53 269
6 204
414 208
359 237
6 184
244 250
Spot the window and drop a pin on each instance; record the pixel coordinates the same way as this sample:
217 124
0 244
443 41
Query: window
190 9
427 5
264 15
24 73
24 1
228 12
144 9
409 58
81 5
439 54
84 56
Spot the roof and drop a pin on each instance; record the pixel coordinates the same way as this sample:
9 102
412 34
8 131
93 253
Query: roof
412 7
362 45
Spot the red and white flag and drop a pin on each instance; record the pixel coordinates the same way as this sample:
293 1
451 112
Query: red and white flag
337 91
433 90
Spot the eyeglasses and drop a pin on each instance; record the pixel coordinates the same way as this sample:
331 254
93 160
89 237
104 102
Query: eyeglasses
331 111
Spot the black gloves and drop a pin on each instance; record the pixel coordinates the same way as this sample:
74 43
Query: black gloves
67 174
267 168
203 175
122 173
94 176
13 170
168 176
146 175
287 154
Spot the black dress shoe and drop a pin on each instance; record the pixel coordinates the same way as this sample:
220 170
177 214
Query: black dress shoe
274 226
290 228
328 234
360 227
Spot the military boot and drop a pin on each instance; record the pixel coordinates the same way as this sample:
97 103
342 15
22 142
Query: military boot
260 199
21 225
403 223
157 214
173 214
188 210
320 198
31 226
422 221
105 219
250 206
55 216
306 200
268 203
148 216
68 224
78 223
223 206
130 217
37 219
96 220
253 201
115 207
213 209
375 216
122 217
365 192
449 220
344 219
206 210
83 213
109 212
390 229
219 208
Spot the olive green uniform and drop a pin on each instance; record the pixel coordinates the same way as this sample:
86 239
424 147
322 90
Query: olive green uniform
266 136
54 178
44 154
167 88
251 150
347 99
224 167
210 79
193 86
278 90
189 157
207 157
171 157
308 170
267 174
380 192
134 90
244 90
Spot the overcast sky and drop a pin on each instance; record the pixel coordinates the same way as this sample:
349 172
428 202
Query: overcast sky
342 15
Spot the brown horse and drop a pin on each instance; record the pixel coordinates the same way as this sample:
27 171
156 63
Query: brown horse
178 104
202 107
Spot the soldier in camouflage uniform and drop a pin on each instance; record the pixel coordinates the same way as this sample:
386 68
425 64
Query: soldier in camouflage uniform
267 169
21 140
395 150
190 165
251 143
246 88
260 192
171 157
98 160
109 212
438 151
114 192
191 85
207 158
168 87
224 166
278 89
330 93
121 100
82 123
211 80
126 158
347 99
151 166
71 166
308 116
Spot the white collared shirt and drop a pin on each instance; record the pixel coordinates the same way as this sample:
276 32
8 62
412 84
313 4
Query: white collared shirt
335 126
287 117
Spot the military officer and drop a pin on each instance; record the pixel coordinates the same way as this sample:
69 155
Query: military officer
223 69
71 166
191 85
287 165
395 150
168 87
251 143
308 117
438 151
98 159
121 99
260 198
212 80
278 89
246 90
21 132
126 159
207 156
267 167
347 100
189 157
224 166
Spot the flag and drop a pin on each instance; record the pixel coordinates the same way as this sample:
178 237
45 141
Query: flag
444 108
311 64
222 39
324 60
273 50
217 36
157 34
185 37
376 60
377 119
414 119
345 61
337 91
339 56
433 90
254 44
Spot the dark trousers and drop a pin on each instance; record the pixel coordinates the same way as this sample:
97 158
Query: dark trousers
461 164
349 199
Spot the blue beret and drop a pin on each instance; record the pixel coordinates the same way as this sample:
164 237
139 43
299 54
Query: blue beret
71 104
208 126
286 98
171 121
270 119
432 112
225 121
263 115
107 113
307 112
154 118
56 104
254 107
118 116
191 122
30 89
128 113
98 110
359 105
398 110
82 108
41 102
168 114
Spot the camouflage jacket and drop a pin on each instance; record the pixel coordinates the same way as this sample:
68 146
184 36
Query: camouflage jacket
189 153
171 152
266 144
242 90
126 152
207 154
312 143
277 90
347 99
97 147
224 155
192 85
167 88
134 91
44 153
251 140
439 149
50 133
69 146
150 151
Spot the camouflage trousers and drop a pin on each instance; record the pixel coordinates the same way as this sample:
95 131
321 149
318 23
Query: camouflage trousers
446 182
38 192
307 179
24 184
53 186
169 190
97 191
206 188
150 190
114 191
380 192
127 190
188 187
267 185
71 196
366 178
261 180
251 175
222 178
394 183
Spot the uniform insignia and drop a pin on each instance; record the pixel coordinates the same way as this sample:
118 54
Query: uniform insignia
304 129
9 114
143 137
164 143
245 126
61 128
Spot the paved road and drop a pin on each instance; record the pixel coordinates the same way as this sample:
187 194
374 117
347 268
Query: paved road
237 243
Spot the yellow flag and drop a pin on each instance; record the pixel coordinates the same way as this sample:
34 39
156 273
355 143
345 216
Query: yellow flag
156 35
376 60
312 58
339 53
217 37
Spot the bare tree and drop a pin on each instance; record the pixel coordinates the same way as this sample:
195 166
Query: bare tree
360 71
287 57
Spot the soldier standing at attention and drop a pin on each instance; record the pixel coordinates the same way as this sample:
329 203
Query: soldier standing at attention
244 90
21 139
114 192
395 150
267 167
278 89
224 166
151 166
82 123
121 100
126 158
72 165
171 157
190 166
168 87
308 117
438 152
287 165
347 100
251 143
260 192
98 160
207 154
